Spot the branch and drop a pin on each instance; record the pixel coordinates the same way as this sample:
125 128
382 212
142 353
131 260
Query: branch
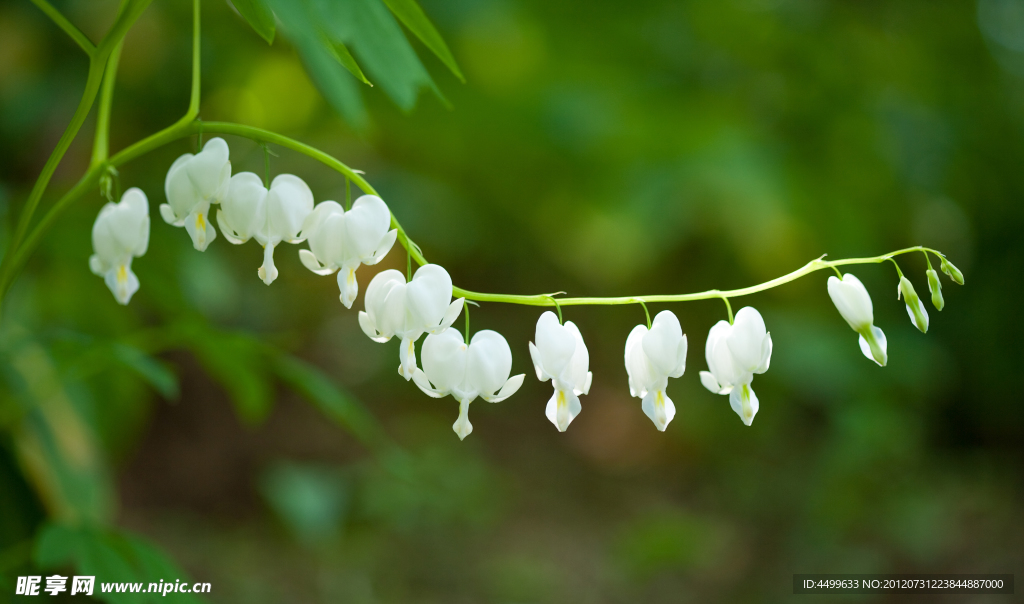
97 63
69 28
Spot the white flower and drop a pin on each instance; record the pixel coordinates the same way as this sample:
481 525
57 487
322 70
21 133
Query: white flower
734 354
854 303
407 310
467 371
915 308
251 211
653 356
344 240
121 232
561 356
193 183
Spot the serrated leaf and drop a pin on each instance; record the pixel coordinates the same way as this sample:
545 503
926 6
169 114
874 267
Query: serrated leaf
259 17
410 13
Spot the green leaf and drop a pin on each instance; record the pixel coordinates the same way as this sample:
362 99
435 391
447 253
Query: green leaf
259 17
371 32
111 557
55 446
322 61
236 361
334 402
410 13
344 57
158 374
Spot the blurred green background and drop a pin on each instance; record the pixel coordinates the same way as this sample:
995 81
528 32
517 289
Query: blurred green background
256 439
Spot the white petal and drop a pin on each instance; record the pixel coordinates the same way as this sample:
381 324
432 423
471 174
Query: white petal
167 213
639 370
852 300
444 358
535 357
880 354
366 323
746 337
407 354
555 344
226 230
383 248
587 382
577 373
661 343
324 227
429 295
462 426
97 266
421 380
206 169
122 282
511 386
366 224
348 285
450 315
309 261
744 402
199 228
289 202
244 207
489 362
660 408
562 408
268 272
766 354
708 381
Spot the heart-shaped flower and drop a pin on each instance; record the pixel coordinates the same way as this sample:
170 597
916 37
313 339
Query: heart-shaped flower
407 310
480 368
561 356
652 357
341 241
121 232
193 183
734 354
250 211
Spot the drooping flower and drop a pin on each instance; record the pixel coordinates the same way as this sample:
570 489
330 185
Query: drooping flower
249 210
951 270
854 304
935 287
193 183
652 357
561 356
341 241
120 233
915 308
734 354
407 310
467 371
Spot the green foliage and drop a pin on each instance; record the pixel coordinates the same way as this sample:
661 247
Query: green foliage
110 556
324 30
259 16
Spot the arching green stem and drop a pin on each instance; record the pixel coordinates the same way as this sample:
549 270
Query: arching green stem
69 28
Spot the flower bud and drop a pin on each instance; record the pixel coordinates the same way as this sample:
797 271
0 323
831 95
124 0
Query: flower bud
953 272
935 287
916 310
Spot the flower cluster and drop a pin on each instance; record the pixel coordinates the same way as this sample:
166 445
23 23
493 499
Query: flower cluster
464 367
